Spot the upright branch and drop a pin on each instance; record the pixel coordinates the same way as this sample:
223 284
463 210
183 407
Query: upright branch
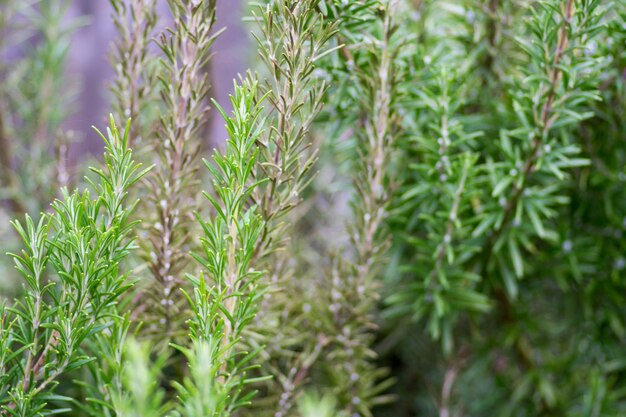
435 199
530 180
135 80
354 292
542 126
173 186
36 97
226 293
549 100
7 173
292 37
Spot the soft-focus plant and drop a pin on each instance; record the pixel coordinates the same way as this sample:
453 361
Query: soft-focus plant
484 221
292 37
135 85
352 287
174 184
36 96
460 251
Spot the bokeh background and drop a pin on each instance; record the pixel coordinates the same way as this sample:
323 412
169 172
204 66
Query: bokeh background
89 66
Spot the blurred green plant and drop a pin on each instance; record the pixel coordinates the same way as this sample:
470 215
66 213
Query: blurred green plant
36 96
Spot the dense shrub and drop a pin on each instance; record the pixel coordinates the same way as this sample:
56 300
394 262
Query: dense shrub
419 210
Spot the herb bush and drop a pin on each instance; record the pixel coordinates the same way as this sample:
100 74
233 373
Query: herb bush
419 210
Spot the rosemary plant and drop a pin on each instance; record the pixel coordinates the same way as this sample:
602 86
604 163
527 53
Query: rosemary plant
135 80
225 295
186 51
353 284
499 204
460 254
36 96
80 245
292 38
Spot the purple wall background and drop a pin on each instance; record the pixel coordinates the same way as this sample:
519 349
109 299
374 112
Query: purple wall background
88 63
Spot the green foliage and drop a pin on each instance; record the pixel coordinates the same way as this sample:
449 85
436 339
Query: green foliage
292 37
125 377
72 280
184 86
483 214
312 405
226 293
36 97
354 283
140 383
460 253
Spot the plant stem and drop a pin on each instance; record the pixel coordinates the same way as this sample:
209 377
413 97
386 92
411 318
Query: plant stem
541 132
